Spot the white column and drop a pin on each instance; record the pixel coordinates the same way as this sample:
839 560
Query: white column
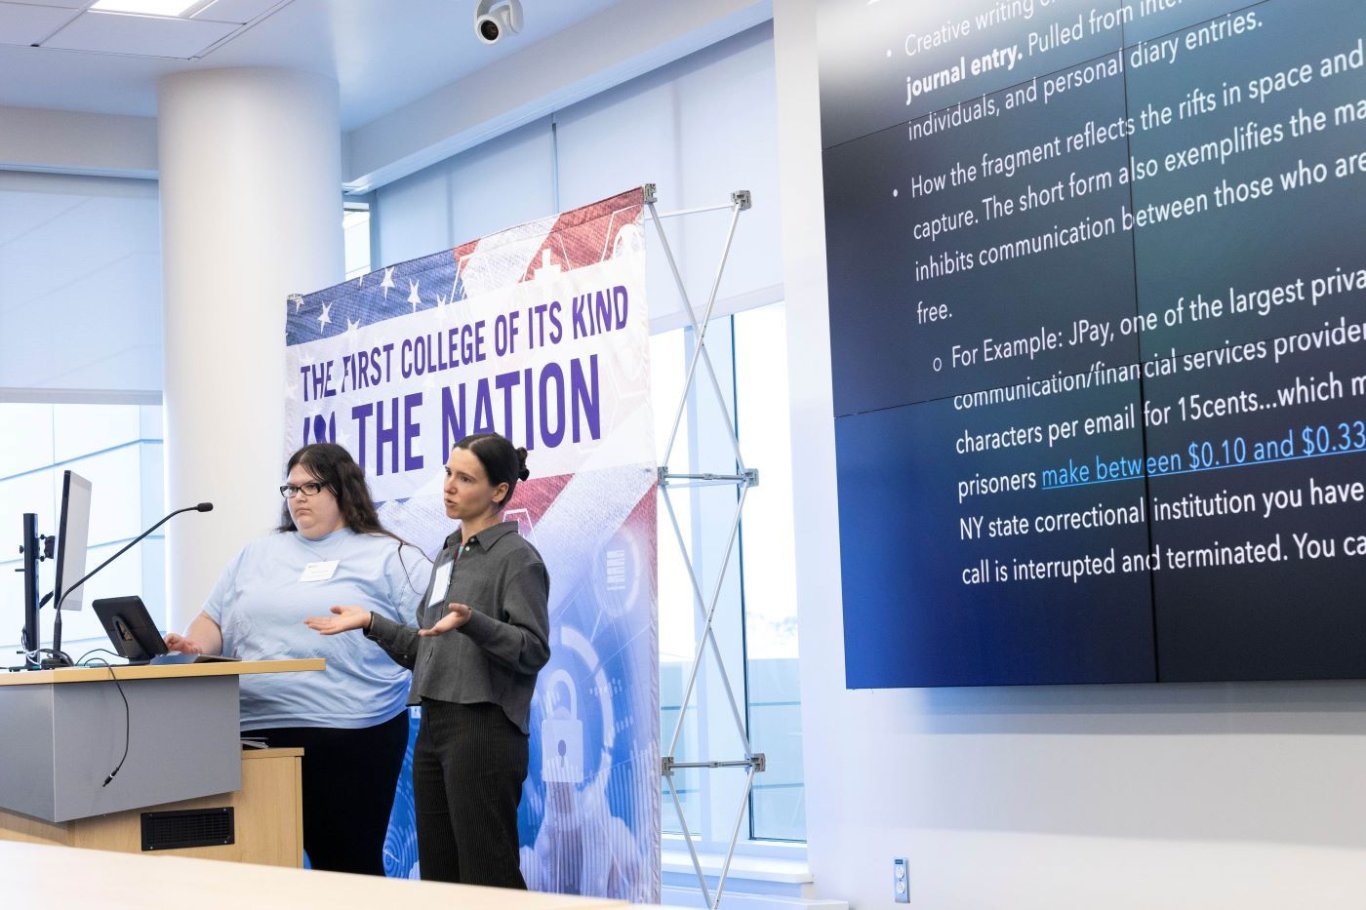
826 704
250 164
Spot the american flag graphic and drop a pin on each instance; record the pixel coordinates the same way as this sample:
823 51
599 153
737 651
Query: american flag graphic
591 234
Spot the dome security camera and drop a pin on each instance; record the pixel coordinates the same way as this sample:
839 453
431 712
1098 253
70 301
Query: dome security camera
494 17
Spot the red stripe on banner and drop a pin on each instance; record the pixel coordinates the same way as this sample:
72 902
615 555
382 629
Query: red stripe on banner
588 234
580 237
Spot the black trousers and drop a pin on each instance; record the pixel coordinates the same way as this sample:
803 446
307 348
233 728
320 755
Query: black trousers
349 778
469 764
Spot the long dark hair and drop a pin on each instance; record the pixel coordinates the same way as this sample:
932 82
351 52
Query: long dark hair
333 467
502 463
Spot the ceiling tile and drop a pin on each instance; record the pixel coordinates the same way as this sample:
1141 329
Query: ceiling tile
23 24
236 10
65 4
155 36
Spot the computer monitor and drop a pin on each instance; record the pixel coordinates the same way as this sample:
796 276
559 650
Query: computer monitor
73 533
73 536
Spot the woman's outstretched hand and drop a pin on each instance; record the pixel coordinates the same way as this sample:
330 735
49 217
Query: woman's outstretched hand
459 615
343 619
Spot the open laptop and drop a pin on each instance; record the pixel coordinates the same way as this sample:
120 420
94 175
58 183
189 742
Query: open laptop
134 635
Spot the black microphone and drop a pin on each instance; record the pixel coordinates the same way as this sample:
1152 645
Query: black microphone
60 659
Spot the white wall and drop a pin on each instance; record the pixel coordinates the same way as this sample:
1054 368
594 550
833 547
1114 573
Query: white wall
72 142
1234 795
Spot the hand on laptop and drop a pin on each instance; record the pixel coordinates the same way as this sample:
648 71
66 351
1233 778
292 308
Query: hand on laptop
180 644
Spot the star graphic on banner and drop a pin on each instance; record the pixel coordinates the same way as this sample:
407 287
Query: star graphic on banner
388 281
352 327
325 318
360 282
413 297
297 300
441 304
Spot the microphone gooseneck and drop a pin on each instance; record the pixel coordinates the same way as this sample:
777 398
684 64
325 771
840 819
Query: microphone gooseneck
59 659
202 507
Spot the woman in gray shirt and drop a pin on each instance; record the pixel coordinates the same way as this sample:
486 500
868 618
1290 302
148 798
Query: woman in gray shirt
482 635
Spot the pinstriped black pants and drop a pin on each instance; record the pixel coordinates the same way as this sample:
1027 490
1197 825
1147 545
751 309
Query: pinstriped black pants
469 764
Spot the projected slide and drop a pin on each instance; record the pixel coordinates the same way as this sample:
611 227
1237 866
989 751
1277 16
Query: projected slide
1098 323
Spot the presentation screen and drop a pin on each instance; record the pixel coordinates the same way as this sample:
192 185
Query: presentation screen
1097 274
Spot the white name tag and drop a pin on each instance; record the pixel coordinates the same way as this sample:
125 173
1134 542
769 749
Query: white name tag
441 582
319 571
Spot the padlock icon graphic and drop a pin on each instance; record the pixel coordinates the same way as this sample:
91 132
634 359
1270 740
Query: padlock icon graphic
562 735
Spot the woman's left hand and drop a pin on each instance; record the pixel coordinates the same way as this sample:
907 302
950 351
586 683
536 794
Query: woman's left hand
459 615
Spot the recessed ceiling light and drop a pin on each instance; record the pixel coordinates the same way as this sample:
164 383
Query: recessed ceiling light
172 8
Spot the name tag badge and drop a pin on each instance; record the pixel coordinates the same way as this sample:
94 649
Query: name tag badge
441 582
319 571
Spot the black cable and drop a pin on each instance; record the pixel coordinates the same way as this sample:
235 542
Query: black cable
59 658
58 653
127 718
80 661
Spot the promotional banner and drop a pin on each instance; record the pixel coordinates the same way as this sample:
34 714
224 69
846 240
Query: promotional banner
540 333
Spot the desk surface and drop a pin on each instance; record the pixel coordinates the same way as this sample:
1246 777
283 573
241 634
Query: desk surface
160 671
38 875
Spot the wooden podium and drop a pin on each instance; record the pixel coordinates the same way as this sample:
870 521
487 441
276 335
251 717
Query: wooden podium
65 733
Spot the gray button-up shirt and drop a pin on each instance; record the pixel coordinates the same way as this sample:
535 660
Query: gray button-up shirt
495 656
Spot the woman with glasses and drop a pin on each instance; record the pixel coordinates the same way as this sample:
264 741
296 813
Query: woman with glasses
351 719
482 636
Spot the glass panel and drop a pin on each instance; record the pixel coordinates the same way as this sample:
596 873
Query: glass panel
777 806
356 238
118 449
79 429
115 494
765 645
26 443
677 615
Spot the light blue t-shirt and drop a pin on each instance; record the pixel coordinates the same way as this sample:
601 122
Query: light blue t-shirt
261 600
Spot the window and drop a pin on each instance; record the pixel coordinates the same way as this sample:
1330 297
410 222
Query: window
118 448
356 239
755 619
777 806
80 381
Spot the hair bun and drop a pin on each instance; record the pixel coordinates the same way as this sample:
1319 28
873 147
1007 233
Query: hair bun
522 472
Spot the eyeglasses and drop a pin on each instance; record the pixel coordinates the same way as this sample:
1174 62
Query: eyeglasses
312 488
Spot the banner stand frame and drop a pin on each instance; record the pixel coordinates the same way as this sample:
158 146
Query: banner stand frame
743 479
